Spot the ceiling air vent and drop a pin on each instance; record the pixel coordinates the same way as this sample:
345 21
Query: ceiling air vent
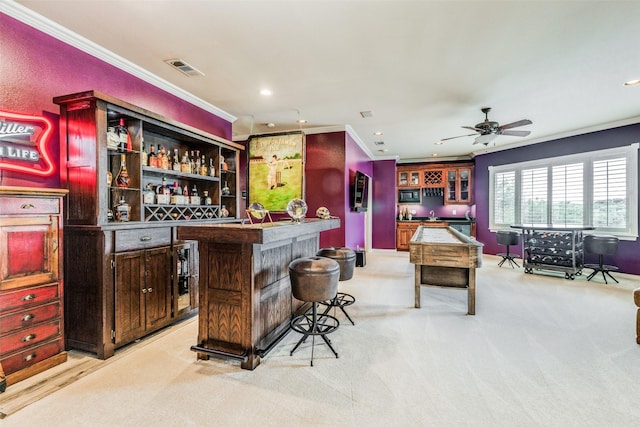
378 142
184 68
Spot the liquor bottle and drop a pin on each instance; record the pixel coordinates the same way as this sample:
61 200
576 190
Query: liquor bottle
224 212
225 189
192 163
144 156
176 199
148 196
109 178
165 158
123 136
184 162
212 169
196 162
153 159
194 199
203 166
122 179
122 210
176 160
207 199
185 194
159 154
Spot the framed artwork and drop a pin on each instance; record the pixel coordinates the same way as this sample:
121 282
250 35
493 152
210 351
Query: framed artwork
275 170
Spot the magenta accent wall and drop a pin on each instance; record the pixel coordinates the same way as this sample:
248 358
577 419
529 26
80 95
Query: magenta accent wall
36 67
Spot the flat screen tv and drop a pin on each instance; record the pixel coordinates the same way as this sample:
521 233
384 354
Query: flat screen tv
360 191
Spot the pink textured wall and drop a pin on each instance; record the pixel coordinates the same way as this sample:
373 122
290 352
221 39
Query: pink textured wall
35 67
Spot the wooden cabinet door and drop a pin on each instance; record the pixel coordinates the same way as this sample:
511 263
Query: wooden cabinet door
130 322
157 291
29 248
458 186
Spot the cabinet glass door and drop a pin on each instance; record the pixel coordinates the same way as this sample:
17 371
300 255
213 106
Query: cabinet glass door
465 180
403 178
415 178
451 186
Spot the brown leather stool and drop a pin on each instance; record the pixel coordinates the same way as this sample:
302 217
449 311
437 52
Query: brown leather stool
314 279
346 258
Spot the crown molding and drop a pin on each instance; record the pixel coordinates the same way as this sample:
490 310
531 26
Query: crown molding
57 31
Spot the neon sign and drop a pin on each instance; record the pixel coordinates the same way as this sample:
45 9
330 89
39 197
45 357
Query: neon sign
24 142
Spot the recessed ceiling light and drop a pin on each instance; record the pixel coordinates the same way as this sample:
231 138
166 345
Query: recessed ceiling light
378 133
302 121
632 82
383 150
271 125
434 155
366 114
265 92
439 142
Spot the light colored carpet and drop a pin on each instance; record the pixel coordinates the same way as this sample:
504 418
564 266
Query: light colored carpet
540 351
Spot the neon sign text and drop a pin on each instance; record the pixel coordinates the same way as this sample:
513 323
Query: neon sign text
24 143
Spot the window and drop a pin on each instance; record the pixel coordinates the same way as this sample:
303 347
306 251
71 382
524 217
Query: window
593 188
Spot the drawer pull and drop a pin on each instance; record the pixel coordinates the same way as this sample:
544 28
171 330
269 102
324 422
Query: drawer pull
29 297
29 337
145 238
27 206
29 357
28 317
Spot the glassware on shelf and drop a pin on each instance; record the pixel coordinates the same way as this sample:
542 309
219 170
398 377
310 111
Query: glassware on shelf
122 179
225 189
297 209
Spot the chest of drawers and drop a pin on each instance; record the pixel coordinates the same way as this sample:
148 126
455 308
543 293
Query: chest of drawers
31 281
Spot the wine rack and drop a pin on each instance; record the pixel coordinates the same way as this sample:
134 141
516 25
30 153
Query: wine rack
553 249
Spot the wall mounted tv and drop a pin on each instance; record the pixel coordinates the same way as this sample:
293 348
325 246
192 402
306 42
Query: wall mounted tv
360 190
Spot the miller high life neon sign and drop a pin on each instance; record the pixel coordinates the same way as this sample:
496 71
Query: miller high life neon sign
24 141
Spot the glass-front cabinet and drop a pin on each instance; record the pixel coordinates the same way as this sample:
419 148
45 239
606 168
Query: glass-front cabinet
409 179
458 186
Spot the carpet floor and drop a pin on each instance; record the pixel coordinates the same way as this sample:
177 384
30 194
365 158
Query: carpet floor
540 351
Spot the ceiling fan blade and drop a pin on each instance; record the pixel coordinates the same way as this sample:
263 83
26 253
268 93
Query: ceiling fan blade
516 124
459 136
516 132
485 139
472 128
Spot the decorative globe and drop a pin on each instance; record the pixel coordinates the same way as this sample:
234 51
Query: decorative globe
257 210
323 213
297 209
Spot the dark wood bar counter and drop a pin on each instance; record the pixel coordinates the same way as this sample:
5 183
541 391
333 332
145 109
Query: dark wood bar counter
245 293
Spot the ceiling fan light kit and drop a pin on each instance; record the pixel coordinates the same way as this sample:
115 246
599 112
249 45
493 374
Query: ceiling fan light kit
490 130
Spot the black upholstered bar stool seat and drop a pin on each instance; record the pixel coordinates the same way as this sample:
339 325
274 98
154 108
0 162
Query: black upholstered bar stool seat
507 238
346 258
601 245
314 279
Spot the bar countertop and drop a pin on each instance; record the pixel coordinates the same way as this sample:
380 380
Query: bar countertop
261 233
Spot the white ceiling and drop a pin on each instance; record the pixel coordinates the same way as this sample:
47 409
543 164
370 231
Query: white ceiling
423 68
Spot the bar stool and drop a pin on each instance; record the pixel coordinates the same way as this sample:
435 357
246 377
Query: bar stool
636 299
601 245
314 279
507 238
346 258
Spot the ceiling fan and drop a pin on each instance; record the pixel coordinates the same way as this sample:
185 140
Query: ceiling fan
489 130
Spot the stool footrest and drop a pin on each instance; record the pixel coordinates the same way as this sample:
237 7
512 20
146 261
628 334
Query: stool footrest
324 324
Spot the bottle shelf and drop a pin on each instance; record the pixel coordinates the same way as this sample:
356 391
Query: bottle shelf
553 250
176 174
181 212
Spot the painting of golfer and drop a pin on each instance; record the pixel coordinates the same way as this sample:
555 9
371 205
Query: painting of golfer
276 169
